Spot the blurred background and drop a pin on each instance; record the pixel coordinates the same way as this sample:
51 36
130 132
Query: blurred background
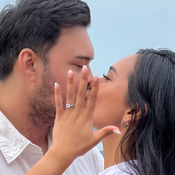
121 27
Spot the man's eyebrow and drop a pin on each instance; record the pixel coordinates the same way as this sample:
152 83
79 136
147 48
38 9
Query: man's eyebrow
84 57
113 68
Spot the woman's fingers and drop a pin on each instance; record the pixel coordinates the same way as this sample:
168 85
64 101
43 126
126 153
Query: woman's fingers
58 100
82 89
70 97
100 134
92 98
66 127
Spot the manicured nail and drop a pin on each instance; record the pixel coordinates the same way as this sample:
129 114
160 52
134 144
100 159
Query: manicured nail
96 78
70 73
56 85
116 131
84 69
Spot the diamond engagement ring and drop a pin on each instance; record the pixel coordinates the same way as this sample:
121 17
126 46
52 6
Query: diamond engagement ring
69 105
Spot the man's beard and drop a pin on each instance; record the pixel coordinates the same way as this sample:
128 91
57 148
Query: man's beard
42 109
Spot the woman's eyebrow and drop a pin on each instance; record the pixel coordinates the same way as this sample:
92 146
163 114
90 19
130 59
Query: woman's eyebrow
113 69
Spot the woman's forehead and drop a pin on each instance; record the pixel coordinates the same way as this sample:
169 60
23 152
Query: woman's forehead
126 63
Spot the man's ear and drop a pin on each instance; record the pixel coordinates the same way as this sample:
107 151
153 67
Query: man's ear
130 113
28 62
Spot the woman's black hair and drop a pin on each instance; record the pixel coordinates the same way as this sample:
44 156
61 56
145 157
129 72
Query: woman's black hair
151 138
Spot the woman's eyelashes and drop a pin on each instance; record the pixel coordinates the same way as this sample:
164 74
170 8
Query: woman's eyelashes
106 77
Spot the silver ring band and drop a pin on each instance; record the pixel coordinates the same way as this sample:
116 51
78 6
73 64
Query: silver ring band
69 105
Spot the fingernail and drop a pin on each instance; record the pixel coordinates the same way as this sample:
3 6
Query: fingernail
56 85
116 131
96 78
84 69
70 73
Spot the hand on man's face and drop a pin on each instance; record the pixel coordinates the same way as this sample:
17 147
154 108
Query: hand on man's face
73 50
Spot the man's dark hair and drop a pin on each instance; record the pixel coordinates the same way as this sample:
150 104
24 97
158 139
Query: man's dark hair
36 24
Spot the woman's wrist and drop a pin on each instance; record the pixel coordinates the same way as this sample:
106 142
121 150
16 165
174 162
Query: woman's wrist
60 158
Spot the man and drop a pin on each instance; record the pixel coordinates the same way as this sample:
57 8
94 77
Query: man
40 40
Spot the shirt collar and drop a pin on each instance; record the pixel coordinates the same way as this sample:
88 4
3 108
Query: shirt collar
12 142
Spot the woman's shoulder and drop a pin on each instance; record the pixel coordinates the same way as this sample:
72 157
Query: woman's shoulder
119 169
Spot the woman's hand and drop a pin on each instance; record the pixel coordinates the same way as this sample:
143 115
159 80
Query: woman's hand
73 133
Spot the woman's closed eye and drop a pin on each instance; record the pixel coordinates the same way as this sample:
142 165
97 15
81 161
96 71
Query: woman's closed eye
106 77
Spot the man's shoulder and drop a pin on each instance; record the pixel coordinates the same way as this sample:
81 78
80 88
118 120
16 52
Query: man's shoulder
94 159
95 153
91 163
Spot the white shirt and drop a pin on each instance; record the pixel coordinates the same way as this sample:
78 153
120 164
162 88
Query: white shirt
117 170
18 155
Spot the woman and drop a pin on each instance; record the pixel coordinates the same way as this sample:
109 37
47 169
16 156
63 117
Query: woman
138 96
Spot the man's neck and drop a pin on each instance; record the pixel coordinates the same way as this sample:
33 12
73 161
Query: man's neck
39 139
37 136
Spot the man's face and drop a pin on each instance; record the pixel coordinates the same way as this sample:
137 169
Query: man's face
72 50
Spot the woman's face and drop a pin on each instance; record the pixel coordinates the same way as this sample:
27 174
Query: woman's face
111 106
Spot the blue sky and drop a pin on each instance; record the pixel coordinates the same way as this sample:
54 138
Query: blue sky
121 27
